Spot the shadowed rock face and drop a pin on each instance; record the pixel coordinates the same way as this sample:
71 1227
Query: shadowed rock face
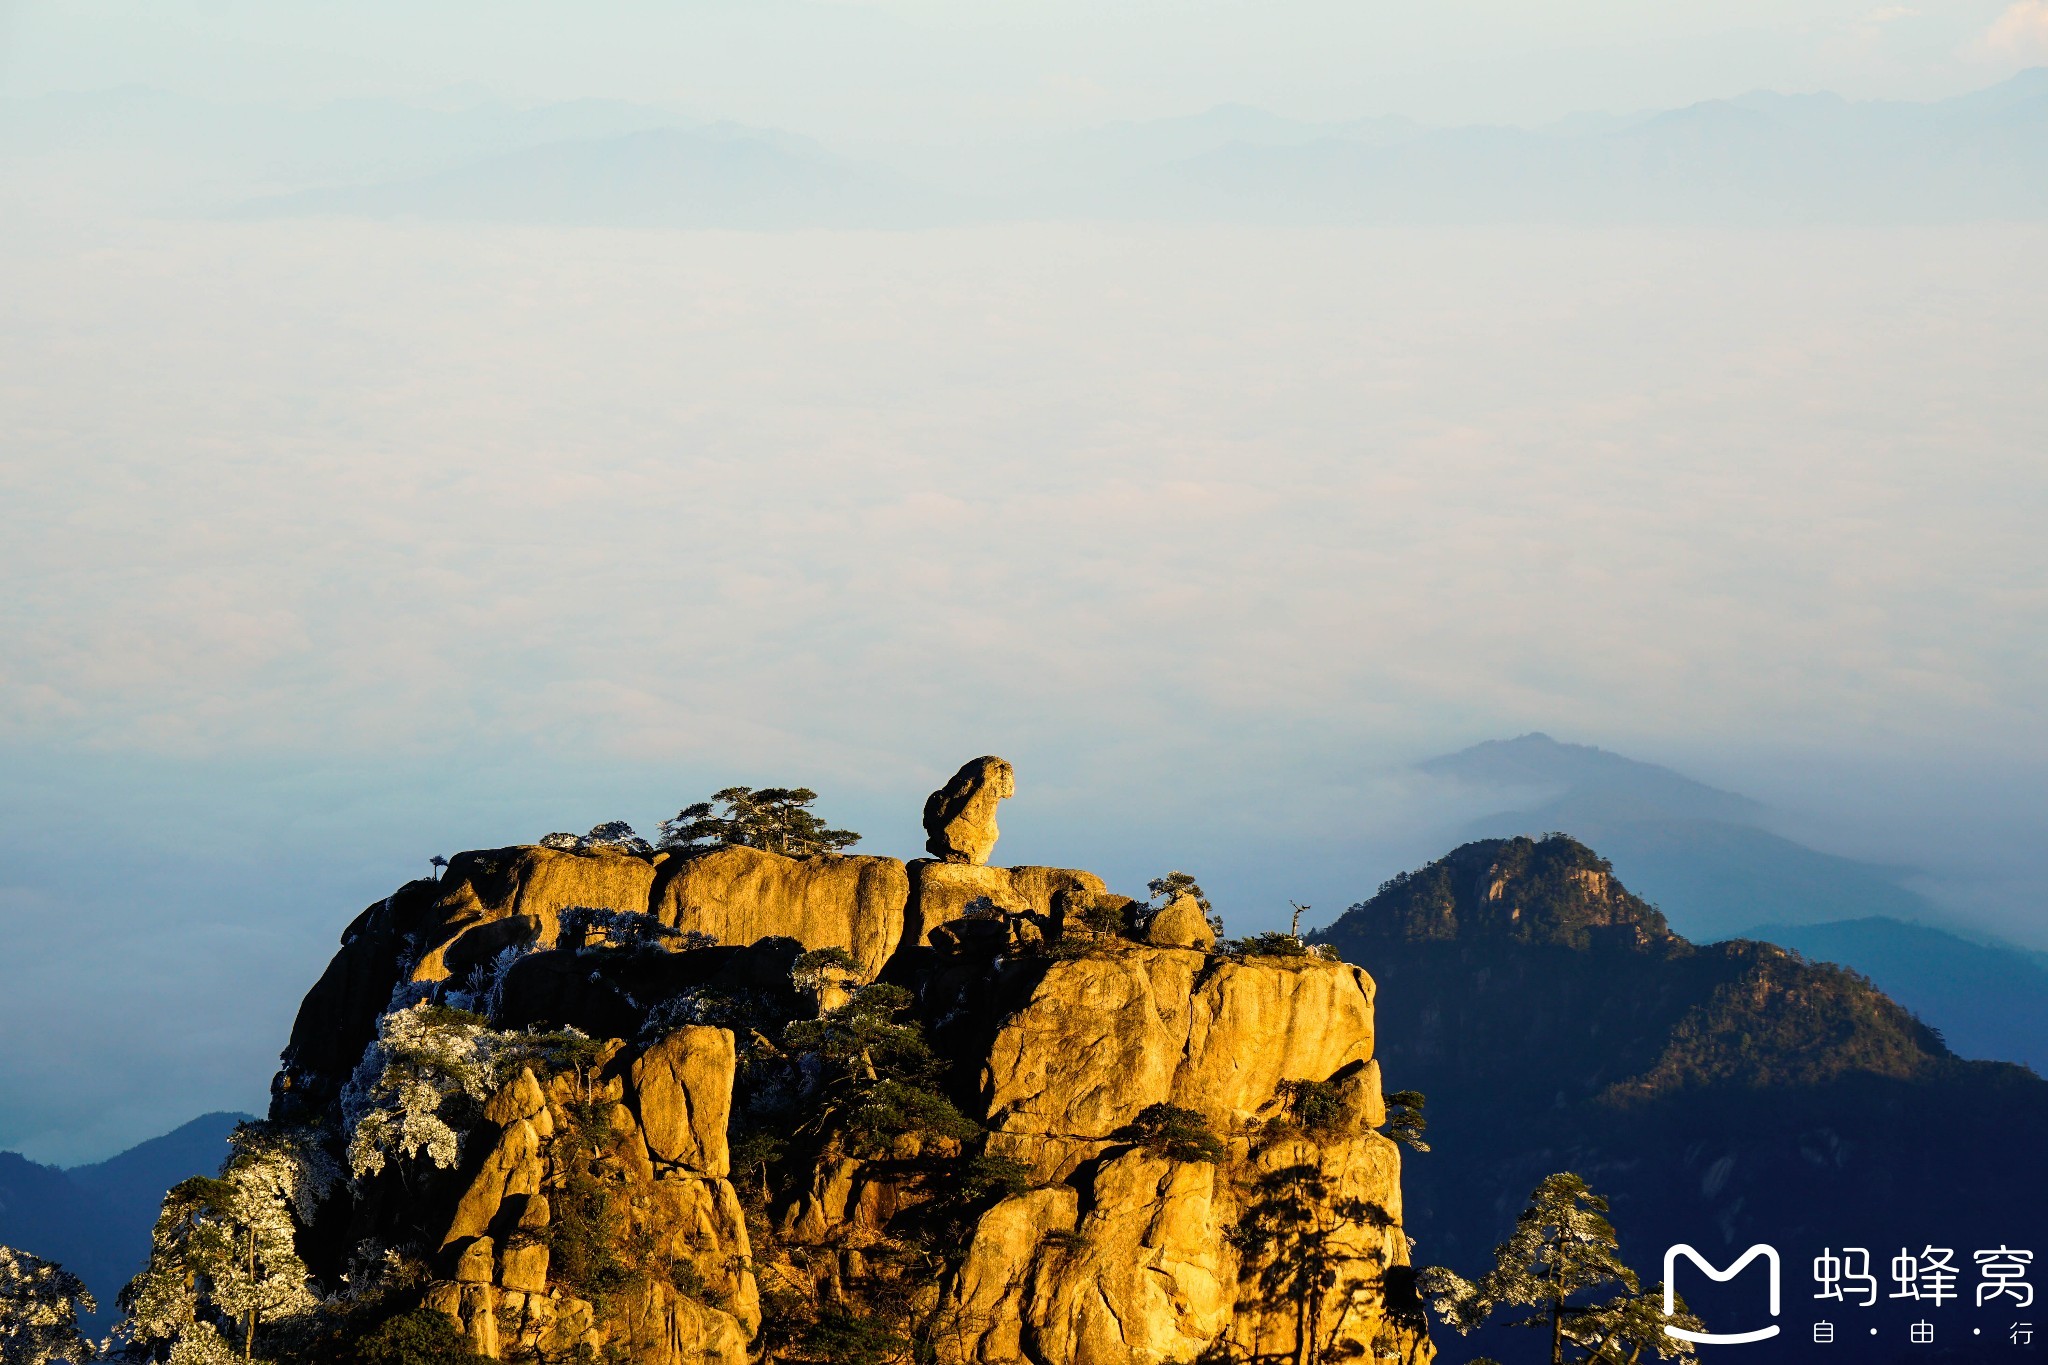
960 817
1721 1094
692 1134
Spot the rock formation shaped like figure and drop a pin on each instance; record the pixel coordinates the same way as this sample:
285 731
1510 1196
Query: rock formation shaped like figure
684 1146
960 817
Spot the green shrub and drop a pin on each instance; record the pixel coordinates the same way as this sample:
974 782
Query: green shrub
889 1108
839 1337
775 819
1174 1133
814 963
421 1337
1106 917
1268 945
1314 1106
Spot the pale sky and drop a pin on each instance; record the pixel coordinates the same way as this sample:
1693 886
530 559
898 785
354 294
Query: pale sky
946 68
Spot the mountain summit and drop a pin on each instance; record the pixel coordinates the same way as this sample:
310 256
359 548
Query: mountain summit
1720 1094
711 1102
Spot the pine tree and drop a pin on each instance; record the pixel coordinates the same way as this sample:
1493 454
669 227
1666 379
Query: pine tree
39 1306
1621 1330
1405 1120
1299 1236
773 819
1562 1248
223 1261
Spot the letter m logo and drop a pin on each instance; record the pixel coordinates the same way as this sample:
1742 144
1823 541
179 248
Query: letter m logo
1671 1255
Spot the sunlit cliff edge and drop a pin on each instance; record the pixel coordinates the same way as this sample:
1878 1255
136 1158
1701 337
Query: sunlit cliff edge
721 1103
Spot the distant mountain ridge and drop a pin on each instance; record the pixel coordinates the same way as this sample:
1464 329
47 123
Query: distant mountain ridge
717 177
1700 854
1762 157
1757 158
1718 1094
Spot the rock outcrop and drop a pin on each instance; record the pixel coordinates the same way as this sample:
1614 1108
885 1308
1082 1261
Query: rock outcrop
742 895
960 817
1180 923
980 1115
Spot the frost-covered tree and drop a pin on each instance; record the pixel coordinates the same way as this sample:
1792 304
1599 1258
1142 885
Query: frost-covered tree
223 1263
619 835
590 926
612 834
418 1087
39 1306
1562 1249
773 819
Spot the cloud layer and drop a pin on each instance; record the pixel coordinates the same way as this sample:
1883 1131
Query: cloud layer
333 545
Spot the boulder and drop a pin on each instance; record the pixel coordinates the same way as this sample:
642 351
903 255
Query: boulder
519 1098
513 1167
960 817
668 1328
941 891
742 895
1136 1266
1100 1038
1181 924
524 1266
989 1293
703 1222
1147 1278
683 1089
473 1266
474 1309
480 889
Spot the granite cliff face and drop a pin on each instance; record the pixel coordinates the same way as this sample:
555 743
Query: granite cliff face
737 1106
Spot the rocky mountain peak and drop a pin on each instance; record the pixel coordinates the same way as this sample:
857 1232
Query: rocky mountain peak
726 1104
1552 890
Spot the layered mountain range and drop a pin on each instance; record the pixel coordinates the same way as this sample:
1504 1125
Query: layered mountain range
1714 865
1718 1094
1759 158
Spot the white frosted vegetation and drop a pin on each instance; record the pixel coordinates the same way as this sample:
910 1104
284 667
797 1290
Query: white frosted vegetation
39 1306
424 1056
223 1262
518 504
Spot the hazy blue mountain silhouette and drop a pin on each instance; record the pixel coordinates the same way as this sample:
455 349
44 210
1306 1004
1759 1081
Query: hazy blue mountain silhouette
96 1219
1700 855
1762 157
1756 158
721 176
